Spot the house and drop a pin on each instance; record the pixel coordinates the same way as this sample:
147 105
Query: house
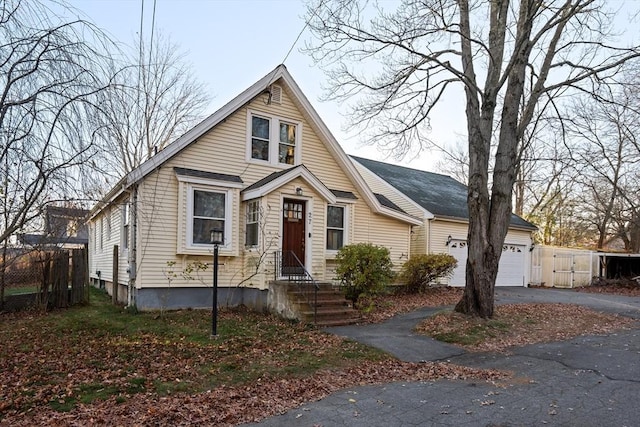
441 202
64 227
263 169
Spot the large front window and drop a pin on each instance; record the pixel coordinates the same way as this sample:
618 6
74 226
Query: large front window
208 213
335 227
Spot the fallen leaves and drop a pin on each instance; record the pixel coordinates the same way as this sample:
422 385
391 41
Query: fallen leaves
226 405
380 308
522 324
266 366
100 365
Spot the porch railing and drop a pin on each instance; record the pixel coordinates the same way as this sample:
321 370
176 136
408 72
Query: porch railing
289 267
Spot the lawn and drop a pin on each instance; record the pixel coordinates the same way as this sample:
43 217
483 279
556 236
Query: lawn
102 362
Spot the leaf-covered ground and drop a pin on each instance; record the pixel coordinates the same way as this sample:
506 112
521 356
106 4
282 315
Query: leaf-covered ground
100 365
521 324
380 308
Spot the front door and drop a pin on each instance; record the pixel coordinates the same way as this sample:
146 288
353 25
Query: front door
293 237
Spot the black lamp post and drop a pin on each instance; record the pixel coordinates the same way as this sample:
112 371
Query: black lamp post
217 238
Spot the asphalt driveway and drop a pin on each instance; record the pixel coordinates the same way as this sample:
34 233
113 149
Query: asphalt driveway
586 381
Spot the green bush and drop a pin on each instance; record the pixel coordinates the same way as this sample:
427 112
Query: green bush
421 270
363 268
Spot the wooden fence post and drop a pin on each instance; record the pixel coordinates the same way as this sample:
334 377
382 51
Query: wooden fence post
60 292
79 277
114 280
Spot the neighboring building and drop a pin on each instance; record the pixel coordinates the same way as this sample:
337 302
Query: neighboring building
441 202
63 228
266 170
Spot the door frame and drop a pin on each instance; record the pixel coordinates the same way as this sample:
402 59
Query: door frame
308 208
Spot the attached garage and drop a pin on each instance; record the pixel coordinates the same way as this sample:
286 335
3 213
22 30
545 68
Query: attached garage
441 202
511 271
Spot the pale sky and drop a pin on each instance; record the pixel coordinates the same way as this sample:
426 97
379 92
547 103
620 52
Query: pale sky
233 43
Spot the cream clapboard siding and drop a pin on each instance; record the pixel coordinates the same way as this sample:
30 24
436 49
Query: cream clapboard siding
418 241
102 243
162 204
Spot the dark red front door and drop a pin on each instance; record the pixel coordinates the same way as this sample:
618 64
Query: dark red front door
293 233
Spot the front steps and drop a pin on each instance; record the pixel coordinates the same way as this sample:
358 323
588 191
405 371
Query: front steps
332 308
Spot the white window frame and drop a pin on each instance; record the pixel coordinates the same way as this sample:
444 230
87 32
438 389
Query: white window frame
108 224
346 209
274 139
228 215
249 215
101 233
126 219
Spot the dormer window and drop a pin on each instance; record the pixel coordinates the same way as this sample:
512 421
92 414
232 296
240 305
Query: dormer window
273 140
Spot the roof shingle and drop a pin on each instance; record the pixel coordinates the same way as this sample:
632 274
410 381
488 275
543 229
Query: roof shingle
439 194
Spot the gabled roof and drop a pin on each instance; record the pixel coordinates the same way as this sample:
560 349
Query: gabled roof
281 76
438 194
278 179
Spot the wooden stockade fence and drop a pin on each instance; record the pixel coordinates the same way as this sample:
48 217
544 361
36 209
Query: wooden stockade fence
64 281
67 282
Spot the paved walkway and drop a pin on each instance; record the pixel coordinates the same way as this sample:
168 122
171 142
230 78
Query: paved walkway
587 381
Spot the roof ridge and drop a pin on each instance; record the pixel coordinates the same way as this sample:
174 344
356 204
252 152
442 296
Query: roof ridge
358 158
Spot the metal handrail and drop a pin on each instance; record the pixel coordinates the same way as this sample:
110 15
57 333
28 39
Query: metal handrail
295 272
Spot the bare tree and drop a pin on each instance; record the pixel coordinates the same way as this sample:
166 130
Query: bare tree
50 76
50 79
508 57
607 150
155 101
455 163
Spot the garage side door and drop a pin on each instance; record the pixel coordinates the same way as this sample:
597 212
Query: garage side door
510 271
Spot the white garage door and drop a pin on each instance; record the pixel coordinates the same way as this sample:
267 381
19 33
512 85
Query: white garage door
510 271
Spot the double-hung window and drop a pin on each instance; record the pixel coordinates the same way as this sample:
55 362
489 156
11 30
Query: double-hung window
125 225
287 143
208 213
273 140
206 201
253 223
335 227
260 131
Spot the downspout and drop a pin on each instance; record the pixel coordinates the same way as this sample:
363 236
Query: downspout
133 252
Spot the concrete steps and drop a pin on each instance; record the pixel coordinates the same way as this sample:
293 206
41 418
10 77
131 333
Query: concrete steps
331 309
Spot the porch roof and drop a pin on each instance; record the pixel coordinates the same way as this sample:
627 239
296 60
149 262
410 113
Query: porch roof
277 179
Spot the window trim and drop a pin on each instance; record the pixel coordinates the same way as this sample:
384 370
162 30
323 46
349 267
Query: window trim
126 219
252 137
102 233
185 203
274 139
346 212
249 203
228 215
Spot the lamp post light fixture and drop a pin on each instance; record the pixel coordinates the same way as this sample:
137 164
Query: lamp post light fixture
217 238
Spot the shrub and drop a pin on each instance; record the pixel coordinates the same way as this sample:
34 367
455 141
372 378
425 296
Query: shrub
421 270
363 268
